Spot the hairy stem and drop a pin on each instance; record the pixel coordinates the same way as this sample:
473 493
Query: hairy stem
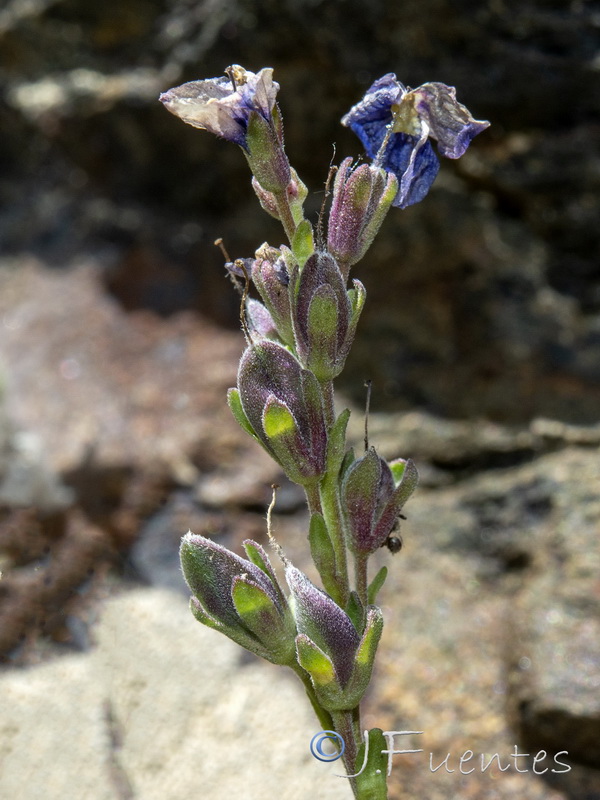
332 513
360 573
329 407
344 722
313 498
323 716
285 215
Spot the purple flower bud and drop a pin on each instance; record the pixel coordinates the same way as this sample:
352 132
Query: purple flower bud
373 495
338 660
260 319
296 193
394 124
324 315
323 622
239 598
283 405
361 198
271 278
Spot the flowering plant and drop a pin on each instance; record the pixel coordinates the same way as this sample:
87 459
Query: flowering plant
298 337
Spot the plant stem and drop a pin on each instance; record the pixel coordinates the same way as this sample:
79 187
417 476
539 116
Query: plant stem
360 573
323 716
313 498
285 215
332 513
327 391
344 722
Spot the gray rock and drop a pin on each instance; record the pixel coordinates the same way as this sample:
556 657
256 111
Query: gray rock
161 709
555 675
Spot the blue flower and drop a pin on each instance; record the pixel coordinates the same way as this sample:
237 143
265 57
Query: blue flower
394 124
223 105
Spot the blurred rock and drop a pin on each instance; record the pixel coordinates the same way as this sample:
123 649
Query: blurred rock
25 479
159 710
116 414
555 674
484 299
453 450
107 390
493 604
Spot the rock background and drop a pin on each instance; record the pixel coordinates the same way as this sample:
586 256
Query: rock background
119 338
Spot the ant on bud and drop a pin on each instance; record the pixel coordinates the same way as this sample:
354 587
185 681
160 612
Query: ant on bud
394 543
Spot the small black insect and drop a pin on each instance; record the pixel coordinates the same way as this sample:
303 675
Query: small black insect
394 543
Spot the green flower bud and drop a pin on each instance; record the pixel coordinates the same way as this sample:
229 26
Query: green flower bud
239 597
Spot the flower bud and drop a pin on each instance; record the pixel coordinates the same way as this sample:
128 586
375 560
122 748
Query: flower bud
329 648
260 319
271 278
362 197
373 494
281 404
239 597
324 315
296 193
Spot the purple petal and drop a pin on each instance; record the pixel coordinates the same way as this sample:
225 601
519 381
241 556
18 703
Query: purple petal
430 110
216 105
411 160
259 92
200 103
448 120
373 113
416 168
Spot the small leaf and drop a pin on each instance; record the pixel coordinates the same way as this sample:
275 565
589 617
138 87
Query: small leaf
259 558
398 468
303 245
322 552
249 600
355 610
371 784
296 201
323 314
337 443
347 462
235 404
376 585
314 661
365 655
202 616
408 484
357 297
